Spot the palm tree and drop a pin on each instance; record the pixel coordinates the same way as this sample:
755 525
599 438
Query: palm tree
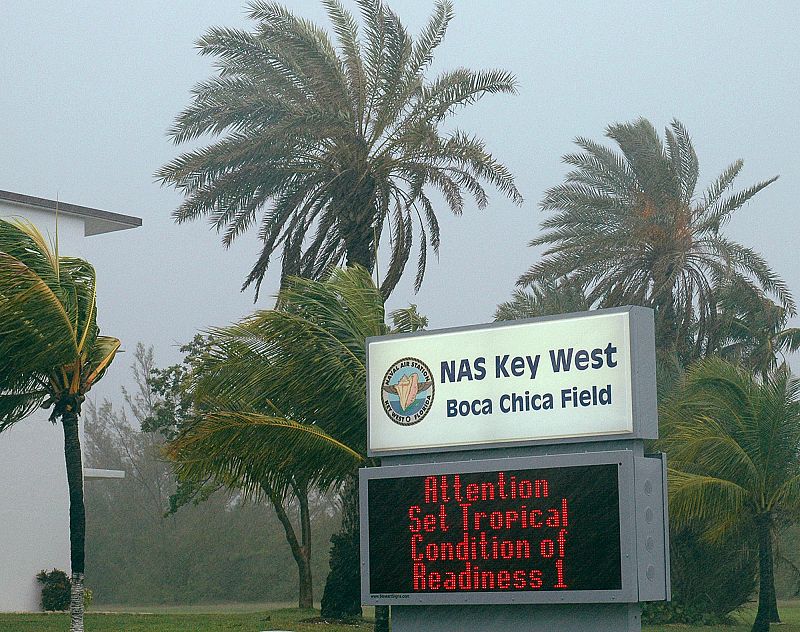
332 142
630 227
52 355
547 297
753 329
282 394
733 442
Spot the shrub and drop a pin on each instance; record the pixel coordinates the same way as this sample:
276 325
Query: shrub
342 594
709 580
55 589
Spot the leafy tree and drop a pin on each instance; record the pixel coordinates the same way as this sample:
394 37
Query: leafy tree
332 142
282 392
631 228
52 356
734 443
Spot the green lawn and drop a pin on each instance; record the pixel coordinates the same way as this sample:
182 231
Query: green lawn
282 619
789 611
238 618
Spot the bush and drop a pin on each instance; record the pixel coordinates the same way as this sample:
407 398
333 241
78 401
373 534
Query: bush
55 589
342 596
709 581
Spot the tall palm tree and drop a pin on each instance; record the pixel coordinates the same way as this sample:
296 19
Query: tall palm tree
330 143
282 394
52 354
733 442
631 228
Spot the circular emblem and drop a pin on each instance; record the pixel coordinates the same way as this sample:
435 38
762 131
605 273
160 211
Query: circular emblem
407 391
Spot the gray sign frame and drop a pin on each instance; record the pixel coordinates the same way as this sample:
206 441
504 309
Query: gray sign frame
643 383
630 573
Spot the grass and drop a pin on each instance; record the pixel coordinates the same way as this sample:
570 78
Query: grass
242 618
789 611
280 619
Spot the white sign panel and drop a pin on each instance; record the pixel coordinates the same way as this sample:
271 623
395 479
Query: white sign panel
550 379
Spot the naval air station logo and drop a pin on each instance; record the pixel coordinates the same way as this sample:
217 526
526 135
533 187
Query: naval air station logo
407 391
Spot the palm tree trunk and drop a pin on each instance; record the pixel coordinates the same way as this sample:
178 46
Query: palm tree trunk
306 583
300 552
767 601
77 516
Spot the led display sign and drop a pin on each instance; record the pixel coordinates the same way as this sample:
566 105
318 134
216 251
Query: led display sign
530 529
580 376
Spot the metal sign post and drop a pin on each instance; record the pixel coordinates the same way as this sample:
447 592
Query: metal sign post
514 488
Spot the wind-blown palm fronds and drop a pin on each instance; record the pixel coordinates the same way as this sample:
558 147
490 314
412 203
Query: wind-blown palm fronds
543 298
332 142
753 329
281 395
51 354
631 228
733 443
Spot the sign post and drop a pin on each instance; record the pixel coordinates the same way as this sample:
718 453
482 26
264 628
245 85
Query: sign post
515 487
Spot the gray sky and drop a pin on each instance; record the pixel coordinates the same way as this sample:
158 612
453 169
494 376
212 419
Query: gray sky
87 90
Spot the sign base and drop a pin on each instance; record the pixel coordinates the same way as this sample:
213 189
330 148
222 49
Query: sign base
594 617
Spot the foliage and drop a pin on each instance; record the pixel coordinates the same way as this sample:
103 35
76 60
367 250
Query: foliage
343 587
733 443
710 580
51 347
753 329
292 379
280 397
544 298
631 228
332 142
223 550
55 589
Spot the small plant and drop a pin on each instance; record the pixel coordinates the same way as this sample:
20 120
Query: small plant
55 589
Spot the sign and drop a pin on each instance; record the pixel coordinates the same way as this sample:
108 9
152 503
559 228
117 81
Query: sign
577 377
527 529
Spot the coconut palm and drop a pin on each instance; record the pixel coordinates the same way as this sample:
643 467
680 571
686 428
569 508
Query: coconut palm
326 144
52 355
281 395
733 442
632 228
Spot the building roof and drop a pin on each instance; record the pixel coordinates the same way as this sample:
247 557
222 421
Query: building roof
96 221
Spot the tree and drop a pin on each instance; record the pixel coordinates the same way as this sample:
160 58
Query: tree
544 298
753 329
331 143
283 393
631 229
734 442
52 355
175 408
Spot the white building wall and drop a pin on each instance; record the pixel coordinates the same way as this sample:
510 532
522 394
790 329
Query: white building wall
34 503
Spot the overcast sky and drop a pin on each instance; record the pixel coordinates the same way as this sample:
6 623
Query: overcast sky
88 88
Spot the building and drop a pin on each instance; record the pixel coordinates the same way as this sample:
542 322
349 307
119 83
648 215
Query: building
34 505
